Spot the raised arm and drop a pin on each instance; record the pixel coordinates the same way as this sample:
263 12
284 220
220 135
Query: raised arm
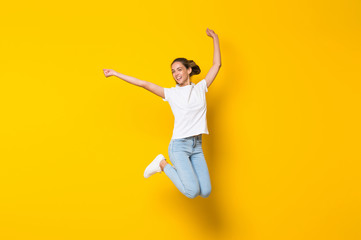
211 75
154 88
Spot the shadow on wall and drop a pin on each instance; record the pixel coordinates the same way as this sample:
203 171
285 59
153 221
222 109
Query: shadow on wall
209 213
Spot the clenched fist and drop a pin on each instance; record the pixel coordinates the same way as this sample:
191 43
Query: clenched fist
109 72
211 33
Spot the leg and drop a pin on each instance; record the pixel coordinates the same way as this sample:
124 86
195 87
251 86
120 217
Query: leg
201 169
182 174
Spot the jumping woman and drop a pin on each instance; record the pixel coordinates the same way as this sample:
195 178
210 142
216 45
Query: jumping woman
187 100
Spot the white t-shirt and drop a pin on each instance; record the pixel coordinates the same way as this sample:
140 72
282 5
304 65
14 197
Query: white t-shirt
189 108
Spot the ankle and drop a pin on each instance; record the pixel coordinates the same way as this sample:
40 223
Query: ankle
162 164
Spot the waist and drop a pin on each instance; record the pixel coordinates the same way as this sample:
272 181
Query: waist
196 137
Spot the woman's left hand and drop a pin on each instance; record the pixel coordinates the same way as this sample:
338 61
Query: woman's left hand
211 33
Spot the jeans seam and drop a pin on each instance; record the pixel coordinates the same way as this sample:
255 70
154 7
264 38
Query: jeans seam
185 190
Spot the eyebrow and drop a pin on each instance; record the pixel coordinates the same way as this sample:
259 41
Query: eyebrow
177 68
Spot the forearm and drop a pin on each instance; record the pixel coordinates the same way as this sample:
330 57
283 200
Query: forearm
216 52
129 79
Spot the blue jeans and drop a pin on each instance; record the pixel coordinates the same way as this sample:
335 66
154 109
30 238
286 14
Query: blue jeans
189 172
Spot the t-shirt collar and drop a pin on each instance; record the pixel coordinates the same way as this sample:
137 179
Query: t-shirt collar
192 84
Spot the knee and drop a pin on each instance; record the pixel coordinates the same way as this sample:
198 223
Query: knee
192 192
205 193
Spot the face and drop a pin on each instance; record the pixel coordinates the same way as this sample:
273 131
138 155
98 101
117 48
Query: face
180 73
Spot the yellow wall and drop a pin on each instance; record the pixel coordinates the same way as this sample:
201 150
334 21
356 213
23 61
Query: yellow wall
283 114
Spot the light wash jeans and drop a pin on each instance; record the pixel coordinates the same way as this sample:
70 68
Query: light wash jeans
190 172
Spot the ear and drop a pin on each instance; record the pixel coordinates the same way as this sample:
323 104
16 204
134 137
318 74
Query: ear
189 70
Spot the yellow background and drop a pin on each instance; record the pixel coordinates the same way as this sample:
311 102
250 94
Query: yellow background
283 113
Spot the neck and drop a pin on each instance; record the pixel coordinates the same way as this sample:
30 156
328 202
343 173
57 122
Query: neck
185 84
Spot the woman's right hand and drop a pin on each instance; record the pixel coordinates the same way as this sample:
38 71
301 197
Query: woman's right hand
109 72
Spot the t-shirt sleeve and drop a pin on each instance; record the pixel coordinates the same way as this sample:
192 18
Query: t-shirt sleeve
166 94
203 85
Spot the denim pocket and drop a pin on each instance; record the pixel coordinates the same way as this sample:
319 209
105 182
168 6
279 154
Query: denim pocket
181 145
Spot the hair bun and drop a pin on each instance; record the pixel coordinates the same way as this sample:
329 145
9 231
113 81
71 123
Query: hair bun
195 68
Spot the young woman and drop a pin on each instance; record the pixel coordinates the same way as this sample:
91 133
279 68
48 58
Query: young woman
187 100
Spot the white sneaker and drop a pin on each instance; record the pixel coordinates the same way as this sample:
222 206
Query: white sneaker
154 167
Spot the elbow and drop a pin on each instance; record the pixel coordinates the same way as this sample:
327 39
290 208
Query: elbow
218 65
143 84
